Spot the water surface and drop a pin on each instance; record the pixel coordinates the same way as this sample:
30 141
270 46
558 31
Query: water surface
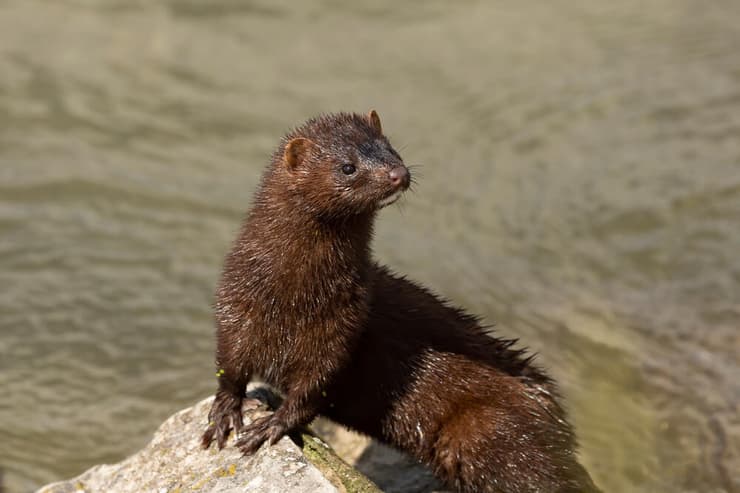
579 185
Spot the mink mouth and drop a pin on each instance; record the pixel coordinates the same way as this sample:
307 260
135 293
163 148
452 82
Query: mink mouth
390 199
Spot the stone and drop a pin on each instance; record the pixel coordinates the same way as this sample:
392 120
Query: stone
175 462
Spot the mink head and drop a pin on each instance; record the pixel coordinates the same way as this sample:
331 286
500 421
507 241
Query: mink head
340 165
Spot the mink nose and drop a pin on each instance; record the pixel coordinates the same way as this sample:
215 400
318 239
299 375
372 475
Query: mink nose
399 176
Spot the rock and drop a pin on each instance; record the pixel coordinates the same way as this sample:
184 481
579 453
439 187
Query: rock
391 470
174 462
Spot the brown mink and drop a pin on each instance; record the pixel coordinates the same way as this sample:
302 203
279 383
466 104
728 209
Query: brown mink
302 305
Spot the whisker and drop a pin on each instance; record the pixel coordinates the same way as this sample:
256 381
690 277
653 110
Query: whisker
401 206
414 167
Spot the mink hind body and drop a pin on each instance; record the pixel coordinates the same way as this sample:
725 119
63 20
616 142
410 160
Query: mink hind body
427 378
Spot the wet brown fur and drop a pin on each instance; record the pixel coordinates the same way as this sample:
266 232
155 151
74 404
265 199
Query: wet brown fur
302 305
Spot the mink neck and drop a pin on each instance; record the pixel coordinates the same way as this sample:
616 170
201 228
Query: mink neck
287 245
302 233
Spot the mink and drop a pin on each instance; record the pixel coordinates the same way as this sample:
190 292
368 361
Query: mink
303 305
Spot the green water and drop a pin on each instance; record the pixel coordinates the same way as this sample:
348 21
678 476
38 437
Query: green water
579 184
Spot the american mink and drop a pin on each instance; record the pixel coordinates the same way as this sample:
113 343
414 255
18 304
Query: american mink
302 304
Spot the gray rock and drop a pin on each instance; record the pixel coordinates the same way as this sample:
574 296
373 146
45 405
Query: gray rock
391 470
174 462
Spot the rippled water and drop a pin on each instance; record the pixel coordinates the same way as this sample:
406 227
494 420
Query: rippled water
579 185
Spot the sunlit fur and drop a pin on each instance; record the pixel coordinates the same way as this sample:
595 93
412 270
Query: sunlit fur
302 305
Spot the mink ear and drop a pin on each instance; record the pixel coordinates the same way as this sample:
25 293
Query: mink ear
375 121
296 152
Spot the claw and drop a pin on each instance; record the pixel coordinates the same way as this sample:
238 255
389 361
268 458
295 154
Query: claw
224 416
268 429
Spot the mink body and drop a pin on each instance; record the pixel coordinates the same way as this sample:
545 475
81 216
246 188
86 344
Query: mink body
302 304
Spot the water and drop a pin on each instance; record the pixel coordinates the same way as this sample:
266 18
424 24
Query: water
579 185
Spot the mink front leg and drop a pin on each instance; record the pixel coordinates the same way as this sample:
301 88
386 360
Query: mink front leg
298 409
226 410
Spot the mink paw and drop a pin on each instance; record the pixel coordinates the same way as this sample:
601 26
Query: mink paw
268 429
225 415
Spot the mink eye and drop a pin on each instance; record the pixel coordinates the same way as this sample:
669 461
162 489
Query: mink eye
348 169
